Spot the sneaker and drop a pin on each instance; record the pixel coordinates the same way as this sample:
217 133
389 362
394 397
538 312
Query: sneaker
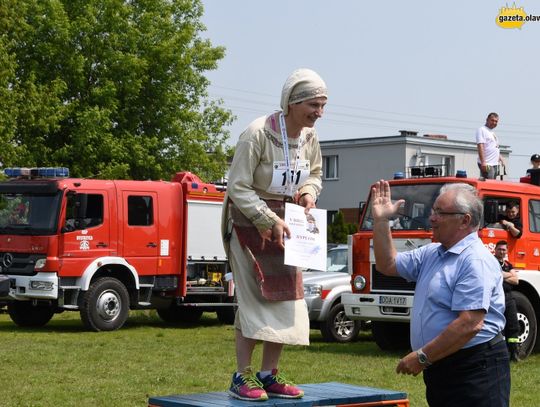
247 387
276 385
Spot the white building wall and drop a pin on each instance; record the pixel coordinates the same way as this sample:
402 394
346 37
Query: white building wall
364 161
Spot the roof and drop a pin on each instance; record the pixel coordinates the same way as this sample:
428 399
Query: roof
407 138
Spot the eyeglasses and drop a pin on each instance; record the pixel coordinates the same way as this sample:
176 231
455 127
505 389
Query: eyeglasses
438 212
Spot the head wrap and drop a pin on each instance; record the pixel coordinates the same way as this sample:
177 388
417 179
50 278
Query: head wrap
302 84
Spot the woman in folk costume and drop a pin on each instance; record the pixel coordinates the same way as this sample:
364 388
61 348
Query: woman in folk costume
277 160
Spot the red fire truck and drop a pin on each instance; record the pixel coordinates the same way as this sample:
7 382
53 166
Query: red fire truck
103 247
387 301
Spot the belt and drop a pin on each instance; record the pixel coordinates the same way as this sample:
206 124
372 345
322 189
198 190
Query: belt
464 353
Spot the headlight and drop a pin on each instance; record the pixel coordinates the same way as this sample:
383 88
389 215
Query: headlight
312 289
40 263
359 282
42 285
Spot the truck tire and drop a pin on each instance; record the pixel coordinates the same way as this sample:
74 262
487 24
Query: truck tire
226 315
176 314
338 327
391 335
25 314
105 306
528 328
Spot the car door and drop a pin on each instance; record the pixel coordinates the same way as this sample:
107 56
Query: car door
140 231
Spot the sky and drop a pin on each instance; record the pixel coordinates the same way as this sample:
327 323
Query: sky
426 66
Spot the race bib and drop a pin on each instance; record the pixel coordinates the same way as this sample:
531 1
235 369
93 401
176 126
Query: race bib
296 177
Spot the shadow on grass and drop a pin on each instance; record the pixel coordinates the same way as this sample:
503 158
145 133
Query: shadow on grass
71 323
364 345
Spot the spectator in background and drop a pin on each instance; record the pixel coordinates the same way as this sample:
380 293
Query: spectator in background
512 221
510 279
533 173
535 161
489 157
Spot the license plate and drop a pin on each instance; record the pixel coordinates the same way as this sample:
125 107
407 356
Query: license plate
388 300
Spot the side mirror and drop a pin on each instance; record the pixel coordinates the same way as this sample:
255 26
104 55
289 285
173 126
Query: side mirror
491 211
361 207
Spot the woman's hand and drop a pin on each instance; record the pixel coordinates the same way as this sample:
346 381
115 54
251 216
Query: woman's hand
382 206
276 234
306 201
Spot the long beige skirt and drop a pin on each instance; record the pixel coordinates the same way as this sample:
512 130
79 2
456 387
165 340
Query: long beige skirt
284 322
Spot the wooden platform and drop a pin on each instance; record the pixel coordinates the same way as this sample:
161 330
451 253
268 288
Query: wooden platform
317 394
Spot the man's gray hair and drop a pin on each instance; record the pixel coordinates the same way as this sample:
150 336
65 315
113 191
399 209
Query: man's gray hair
466 200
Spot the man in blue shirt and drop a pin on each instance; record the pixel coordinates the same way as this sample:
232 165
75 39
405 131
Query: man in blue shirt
458 309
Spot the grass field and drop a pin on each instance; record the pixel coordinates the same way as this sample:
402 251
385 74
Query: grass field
63 365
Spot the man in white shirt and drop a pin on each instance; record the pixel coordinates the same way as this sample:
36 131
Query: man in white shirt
488 148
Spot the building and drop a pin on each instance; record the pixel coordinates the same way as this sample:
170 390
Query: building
351 166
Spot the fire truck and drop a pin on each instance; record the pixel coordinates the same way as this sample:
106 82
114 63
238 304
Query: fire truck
387 301
103 247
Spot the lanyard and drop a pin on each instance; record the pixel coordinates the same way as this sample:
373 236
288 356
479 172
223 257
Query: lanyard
285 140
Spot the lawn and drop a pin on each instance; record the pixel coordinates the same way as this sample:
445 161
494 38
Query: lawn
63 365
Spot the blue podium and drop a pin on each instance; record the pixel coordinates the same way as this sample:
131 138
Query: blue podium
315 394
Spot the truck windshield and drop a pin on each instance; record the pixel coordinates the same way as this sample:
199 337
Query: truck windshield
29 214
414 214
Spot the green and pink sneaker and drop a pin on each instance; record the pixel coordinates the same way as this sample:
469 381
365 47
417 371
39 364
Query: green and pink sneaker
246 386
276 385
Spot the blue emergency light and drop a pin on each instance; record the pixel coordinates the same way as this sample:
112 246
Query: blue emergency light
49 172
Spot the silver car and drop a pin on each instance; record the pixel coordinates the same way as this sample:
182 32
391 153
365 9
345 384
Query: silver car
322 292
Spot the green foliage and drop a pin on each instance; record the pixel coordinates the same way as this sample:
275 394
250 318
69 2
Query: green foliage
338 231
62 365
109 88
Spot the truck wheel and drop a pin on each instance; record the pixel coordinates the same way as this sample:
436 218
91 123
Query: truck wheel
391 335
226 315
105 306
338 327
527 324
176 314
25 314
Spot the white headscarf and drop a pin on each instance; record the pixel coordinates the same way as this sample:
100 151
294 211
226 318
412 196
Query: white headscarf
302 84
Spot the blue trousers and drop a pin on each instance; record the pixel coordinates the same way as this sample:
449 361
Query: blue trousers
477 377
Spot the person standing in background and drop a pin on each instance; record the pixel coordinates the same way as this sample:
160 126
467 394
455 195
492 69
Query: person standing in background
510 279
535 161
489 156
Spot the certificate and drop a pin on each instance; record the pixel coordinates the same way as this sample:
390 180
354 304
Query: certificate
307 245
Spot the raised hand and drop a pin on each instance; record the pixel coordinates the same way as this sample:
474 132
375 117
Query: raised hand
381 203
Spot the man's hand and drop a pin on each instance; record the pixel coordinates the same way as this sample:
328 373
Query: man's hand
381 204
410 365
511 277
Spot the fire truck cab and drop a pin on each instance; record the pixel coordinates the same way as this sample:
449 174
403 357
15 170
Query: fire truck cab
387 301
103 247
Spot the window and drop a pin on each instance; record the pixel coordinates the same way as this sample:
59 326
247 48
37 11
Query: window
330 167
414 213
83 211
496 209
140 211
534 216
330 216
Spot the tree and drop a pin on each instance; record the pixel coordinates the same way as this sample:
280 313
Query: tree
338 230
109 88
